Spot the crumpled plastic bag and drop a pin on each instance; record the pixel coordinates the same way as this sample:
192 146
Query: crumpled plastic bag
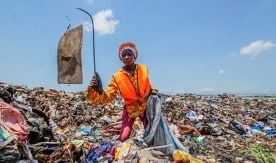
14 122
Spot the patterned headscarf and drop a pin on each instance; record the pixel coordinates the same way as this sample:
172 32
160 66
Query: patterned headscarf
130 46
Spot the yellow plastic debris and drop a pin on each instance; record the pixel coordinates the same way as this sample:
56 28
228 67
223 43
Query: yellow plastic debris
122 152
182 156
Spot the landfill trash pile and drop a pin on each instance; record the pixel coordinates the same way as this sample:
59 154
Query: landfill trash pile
228 125
55 126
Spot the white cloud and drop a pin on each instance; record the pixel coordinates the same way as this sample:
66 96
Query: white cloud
221 72
104 22
206 90
257 47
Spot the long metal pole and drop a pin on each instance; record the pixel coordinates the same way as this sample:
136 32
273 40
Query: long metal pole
94 57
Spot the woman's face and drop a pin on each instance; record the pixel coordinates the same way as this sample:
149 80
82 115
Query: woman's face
127 57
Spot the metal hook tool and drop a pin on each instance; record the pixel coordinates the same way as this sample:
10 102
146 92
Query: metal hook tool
94 57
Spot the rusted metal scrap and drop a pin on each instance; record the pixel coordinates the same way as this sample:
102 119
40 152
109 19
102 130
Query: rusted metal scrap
69 57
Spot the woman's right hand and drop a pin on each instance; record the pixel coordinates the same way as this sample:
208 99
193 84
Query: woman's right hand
96 83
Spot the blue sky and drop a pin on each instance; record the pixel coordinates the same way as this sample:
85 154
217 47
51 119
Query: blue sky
190 46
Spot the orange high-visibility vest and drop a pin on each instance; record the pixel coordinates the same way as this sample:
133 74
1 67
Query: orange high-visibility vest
131 95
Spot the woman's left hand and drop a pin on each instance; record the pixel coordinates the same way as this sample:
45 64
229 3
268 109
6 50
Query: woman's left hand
155 92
